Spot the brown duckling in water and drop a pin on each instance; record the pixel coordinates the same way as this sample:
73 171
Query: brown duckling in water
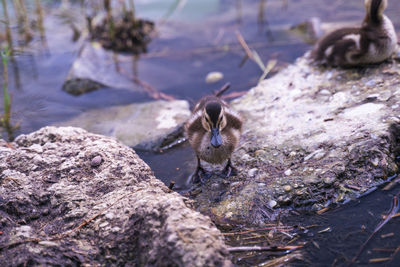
213 131
374 42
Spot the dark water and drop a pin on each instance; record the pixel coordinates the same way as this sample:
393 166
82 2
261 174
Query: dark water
350 225
193 41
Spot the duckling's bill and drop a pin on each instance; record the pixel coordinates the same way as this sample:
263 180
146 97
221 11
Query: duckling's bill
216 140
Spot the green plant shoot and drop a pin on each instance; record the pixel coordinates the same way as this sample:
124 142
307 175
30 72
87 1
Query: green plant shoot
5 54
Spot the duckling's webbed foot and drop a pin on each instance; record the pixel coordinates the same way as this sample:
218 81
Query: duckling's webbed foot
229 170
200 175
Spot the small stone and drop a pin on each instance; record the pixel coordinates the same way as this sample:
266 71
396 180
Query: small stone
272 203
36 148
288 172
313 154
287 188
252 172
48 243
329 180
24 231
370 83
319 155
292 154
104 224
96 161
301 192
325 92
214 77
311 179
259 153
116 229
375 162
246 158
109 215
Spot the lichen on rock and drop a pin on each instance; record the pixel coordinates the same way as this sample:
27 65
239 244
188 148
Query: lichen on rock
68 197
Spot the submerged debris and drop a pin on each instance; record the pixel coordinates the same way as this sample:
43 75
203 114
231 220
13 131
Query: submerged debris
270 244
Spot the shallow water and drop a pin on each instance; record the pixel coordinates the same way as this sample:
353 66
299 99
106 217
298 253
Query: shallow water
191 42
350 225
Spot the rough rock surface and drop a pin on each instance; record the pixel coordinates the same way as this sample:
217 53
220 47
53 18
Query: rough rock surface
312 136
144 125
69 198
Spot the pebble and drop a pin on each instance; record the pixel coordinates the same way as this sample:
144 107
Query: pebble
96 161
214 77
311 179
272 203
116 229
48 243
325 92
292 154
246 158
375 162
259 153
370 83
104 224
36 148
319 155
288 172
287 188
301 192
252 172
109 215
318 152
24 231
329 180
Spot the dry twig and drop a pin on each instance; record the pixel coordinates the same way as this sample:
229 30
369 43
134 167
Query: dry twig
267 248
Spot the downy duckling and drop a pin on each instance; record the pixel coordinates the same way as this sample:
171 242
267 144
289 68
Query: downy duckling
213 131
374 42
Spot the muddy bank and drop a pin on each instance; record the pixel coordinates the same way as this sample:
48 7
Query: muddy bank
68 197
312 136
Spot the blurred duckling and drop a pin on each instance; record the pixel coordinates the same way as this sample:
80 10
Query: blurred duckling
213 131
374 42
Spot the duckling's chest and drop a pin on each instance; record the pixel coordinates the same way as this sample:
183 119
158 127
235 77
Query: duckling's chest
386 44
215 155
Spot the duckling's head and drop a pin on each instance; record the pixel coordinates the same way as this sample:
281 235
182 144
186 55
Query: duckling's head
375 9
214 121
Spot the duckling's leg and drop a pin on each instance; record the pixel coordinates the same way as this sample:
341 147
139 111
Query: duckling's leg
198 174
229 169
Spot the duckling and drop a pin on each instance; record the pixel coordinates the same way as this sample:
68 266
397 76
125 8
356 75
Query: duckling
374 42
213 131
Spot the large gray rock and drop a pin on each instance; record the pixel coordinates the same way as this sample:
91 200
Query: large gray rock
68 197
312 136
96 67
146 126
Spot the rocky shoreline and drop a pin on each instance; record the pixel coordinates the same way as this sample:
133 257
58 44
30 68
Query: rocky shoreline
312 136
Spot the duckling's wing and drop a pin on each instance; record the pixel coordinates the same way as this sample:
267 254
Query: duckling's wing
234 120
330 40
